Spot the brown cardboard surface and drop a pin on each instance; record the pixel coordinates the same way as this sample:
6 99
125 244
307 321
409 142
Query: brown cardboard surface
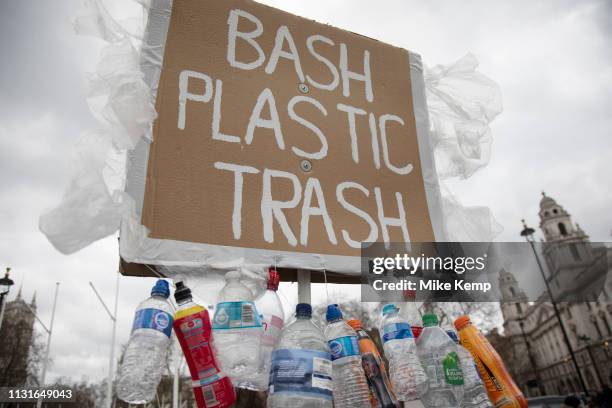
188 199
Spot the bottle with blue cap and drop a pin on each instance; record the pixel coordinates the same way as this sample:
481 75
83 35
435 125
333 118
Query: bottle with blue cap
405 371
301 369
145 356
350 384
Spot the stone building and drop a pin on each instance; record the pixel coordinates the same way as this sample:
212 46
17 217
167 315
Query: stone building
532 344
16 337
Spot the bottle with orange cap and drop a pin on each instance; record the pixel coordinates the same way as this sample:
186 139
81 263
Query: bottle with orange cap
374 368
502 390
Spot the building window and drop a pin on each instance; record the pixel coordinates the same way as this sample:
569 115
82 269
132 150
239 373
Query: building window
519 309
594 320
603 317
512 291
555 211
574 251
562 229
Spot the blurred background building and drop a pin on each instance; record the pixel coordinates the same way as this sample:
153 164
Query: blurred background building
16 341
532 343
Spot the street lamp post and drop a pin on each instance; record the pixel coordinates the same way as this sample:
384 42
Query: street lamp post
113 317
528 234
111 363
49 331
5 287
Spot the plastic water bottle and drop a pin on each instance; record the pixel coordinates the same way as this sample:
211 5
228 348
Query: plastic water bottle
474 393
350 385
237 331
271 312
407 376
439 357
410 313
301 372
145 356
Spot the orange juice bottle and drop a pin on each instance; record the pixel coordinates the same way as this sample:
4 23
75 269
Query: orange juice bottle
502 390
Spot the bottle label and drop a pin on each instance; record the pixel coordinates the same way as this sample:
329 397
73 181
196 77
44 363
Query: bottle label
194 334
272 329
344 347
236 315
396 331
303 371
452 369
218 394
153 319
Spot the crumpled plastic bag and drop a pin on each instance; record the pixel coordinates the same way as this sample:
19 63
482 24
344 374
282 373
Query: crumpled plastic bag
461 103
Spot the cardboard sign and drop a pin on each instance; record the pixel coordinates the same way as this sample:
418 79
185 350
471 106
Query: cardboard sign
279 133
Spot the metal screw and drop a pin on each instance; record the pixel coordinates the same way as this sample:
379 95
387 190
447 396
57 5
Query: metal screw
303 88
306 166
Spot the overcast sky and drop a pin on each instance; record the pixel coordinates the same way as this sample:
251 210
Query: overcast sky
551 59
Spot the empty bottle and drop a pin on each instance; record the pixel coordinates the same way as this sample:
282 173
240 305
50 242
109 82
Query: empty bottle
145 356
474 393
374 369
237 331
211 387
271 312
350 385
438 355
301 371
407 376
501 388
410 313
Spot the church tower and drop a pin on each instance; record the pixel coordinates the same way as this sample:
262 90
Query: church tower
556 223
513 302
566 247
16 337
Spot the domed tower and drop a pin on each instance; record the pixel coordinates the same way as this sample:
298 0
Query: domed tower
556 223
513 302
566 248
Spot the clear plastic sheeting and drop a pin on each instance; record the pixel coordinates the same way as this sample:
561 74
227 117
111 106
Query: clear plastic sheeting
468 224
94 203
461 102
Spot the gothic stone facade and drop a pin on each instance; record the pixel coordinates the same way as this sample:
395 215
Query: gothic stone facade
532 344
16 336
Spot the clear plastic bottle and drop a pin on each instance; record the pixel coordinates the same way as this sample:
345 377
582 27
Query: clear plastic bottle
237 331
410 313
438 355
474 393
301 372
271 312
145 356
351 388
407 376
